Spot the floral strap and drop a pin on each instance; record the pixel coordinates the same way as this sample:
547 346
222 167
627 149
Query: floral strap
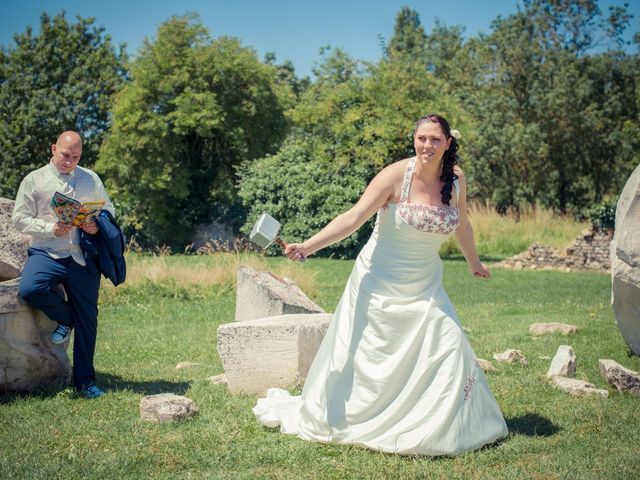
406 182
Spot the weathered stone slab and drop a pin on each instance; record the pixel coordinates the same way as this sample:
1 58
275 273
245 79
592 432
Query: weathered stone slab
29 360
270 352
510 356
262 294
13 244
166 407
563 363
625 263
552 327
620 377
578 387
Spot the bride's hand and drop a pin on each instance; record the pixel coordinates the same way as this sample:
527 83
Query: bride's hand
480 270
295 252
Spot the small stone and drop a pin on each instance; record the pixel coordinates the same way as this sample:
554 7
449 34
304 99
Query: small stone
510 356
486 365
183 365
622 378
166 407
218 379
578 387
552 327
563 363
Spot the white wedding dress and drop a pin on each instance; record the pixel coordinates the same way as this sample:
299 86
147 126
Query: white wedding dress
395 372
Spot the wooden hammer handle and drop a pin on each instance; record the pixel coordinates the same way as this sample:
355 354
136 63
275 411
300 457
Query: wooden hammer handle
284 244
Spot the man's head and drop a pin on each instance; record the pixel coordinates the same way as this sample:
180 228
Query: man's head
66 152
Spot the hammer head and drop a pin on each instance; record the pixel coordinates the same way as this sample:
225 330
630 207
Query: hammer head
265 231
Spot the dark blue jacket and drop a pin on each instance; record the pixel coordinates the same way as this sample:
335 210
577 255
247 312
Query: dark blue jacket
104 252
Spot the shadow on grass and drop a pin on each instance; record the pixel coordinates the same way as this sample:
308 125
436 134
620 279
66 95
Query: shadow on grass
106 381
532 425
109 382
10 397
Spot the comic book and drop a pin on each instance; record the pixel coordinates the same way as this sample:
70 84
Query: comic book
71 211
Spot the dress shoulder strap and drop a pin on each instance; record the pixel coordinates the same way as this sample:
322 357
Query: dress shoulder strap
406 182
456 187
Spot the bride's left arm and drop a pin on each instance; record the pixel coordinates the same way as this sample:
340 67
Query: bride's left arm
464 234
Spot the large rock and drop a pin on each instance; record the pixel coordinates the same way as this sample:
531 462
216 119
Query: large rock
13 244
625 263
563 363
574 386
270 352
166 407
28 358
262 294
552 327
622 378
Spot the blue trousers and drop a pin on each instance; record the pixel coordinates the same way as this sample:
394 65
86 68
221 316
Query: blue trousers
41 274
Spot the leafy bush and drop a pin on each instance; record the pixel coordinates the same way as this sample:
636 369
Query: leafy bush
303 195
603 215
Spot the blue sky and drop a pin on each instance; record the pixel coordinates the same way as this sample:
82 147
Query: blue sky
293 29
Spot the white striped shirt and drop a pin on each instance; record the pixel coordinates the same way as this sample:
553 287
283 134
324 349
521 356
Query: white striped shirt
33 214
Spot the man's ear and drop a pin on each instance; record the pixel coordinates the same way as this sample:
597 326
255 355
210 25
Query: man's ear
53 148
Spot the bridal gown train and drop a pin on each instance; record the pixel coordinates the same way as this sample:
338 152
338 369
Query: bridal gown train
395 372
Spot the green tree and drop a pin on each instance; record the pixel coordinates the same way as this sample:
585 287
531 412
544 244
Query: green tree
550 113
62 78
408 35
194 109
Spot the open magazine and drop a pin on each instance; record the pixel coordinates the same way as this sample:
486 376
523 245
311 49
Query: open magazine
71 211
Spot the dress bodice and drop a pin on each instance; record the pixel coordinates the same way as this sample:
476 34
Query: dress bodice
442 220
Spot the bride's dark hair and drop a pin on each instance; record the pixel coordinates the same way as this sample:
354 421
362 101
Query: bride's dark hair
450 157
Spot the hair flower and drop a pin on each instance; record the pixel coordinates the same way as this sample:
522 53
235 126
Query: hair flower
456 134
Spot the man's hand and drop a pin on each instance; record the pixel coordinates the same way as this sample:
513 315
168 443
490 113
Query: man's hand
61 229
91 228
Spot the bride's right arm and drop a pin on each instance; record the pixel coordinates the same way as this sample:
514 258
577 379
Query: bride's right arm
378 192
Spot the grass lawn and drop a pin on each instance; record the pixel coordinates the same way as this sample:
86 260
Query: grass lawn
150 324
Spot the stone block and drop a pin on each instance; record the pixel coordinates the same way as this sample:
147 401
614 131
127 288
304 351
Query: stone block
270 352
262 294
29 360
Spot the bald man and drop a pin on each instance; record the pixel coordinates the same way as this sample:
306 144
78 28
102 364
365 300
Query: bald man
55 256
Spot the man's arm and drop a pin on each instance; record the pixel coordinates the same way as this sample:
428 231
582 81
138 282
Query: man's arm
25 211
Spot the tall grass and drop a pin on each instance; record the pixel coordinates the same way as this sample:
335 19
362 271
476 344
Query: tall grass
217 270
502 235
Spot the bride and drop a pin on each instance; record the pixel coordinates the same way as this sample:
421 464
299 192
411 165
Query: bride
395 372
